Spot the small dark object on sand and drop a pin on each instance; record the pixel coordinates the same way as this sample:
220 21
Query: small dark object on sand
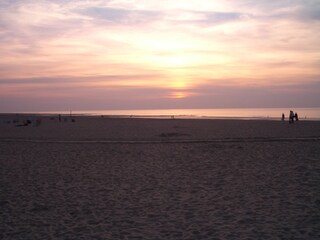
24 123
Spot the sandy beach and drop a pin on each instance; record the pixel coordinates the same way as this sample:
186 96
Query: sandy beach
123 178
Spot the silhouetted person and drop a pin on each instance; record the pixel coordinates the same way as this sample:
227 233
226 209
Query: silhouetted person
291 117
296 116
282 118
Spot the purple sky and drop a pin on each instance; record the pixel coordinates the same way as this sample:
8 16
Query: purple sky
129 54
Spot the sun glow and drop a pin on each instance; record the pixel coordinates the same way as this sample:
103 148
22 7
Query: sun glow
178 95
178 83
178 60
158 50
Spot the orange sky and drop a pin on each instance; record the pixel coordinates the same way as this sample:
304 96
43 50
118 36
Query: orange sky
99 54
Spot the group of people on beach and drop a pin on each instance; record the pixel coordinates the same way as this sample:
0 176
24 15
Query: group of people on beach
292 117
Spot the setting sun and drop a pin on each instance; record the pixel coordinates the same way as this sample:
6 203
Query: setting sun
178 95
225 54
149 119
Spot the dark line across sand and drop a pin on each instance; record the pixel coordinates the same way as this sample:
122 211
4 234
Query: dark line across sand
219 140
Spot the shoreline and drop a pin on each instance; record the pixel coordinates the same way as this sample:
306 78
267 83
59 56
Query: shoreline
307 113
93 128
164 117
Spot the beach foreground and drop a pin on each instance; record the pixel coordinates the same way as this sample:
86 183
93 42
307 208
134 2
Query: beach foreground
102 178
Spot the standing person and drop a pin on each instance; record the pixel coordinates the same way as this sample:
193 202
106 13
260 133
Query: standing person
291 117
296 116
282 118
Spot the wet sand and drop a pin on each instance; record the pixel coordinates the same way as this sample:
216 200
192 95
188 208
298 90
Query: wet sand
106 178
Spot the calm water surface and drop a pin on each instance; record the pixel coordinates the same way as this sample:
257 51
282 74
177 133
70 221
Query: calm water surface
246 113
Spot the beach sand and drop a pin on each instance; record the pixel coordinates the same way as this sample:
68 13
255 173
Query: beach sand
108 178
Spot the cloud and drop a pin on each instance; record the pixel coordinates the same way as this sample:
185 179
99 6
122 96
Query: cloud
26 26
298 10
311 12
208 95
120 15
219 17
283 95
80 79
152 48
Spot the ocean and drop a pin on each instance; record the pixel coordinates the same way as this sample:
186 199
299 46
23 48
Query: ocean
223 113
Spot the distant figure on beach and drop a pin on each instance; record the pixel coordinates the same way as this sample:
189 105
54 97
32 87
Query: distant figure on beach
291 117
282 118
296 116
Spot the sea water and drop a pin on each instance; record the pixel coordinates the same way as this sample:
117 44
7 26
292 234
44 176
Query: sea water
223 113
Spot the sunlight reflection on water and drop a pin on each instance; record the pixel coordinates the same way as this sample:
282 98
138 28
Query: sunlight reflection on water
224 113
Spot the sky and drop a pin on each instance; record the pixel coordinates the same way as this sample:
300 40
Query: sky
148 54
